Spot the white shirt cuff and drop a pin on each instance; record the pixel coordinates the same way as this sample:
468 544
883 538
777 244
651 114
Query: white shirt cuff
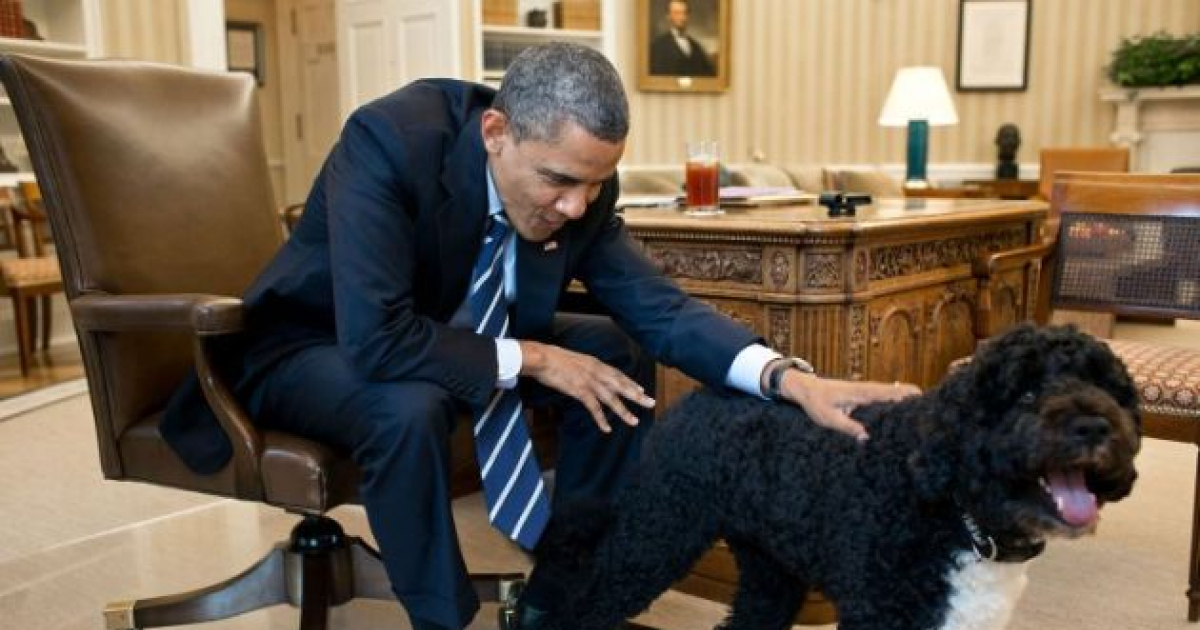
508 355
745 373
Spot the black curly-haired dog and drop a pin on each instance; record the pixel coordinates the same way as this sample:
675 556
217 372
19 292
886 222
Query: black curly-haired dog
925 526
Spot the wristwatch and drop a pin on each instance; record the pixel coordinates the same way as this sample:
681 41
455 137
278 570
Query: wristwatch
775 375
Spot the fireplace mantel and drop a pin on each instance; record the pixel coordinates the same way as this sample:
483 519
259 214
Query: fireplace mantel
1161 126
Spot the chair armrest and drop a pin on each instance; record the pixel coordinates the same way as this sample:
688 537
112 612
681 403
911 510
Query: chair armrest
988 267
203 315
990 264
206 317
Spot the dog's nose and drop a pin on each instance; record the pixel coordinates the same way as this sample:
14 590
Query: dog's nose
1089 430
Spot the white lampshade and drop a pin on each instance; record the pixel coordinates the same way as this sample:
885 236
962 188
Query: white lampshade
918 93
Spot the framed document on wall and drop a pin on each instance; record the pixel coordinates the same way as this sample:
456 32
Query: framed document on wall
244 48
993 44
683 46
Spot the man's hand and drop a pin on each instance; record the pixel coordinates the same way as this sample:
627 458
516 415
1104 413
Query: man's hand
585 378
829 402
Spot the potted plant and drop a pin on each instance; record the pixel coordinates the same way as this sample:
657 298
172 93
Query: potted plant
1156 60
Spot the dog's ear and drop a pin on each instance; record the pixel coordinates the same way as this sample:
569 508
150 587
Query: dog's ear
1006 368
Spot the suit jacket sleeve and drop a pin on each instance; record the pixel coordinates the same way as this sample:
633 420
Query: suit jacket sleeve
374 228
672 326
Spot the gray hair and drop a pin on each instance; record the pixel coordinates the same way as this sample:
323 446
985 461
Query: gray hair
549 84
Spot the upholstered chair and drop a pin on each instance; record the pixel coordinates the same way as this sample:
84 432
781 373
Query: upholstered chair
1127 244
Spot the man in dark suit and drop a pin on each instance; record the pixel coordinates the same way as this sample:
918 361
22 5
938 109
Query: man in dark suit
360 333
675 53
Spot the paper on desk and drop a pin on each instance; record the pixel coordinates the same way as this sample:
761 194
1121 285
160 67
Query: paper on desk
647 201
757 195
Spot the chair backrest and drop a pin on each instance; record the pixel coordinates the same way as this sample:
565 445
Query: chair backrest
1055 159
1129 244
155 181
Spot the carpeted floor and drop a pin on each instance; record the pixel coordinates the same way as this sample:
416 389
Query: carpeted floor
74 541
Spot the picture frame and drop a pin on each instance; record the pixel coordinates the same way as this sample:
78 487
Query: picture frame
244 48
993 45
666 65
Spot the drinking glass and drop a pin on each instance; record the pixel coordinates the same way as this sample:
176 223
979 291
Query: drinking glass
702 178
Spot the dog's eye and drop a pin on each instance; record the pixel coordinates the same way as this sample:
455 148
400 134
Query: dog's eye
1028 398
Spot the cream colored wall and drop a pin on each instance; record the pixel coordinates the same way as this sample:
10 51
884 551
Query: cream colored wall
152 30
809 77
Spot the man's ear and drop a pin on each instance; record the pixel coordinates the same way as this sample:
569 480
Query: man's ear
495 130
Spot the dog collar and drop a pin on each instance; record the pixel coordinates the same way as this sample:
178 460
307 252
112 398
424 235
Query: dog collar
986 547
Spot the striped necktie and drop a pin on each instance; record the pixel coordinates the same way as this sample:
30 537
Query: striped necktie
512 481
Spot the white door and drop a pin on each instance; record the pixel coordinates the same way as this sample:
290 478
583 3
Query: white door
388 43
426 40
362 30
312 118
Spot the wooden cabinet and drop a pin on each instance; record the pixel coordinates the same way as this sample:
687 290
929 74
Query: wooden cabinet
503 28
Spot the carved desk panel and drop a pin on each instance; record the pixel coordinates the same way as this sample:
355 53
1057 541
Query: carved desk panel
885 295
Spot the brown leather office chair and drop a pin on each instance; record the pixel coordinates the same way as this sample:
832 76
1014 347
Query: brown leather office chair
32 278
1129 244
156 184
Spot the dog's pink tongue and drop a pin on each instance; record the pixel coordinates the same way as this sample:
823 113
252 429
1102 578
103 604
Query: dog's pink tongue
1076 504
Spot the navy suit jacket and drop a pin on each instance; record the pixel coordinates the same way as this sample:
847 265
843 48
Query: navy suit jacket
382 257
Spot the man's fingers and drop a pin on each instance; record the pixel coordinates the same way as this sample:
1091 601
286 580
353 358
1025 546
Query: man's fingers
904 390
635 394
593 406
882 392
839 421
618 408
620 388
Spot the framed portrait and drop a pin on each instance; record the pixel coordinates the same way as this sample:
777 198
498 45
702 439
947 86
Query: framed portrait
244 48
993 45
683 45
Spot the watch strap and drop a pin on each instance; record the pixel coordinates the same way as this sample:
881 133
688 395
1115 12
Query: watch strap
775 375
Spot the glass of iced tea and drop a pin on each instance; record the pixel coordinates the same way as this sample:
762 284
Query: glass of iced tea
702 178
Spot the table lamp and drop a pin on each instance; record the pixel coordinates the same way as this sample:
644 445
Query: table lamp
918 98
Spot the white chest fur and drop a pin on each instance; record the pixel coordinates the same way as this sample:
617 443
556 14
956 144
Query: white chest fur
983 594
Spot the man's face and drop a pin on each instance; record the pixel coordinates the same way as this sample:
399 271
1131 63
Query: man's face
677 14
544 184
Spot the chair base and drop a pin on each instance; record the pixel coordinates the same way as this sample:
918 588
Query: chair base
318 568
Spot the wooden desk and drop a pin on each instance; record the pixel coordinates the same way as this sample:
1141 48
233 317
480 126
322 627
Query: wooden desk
887 295
1015 189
